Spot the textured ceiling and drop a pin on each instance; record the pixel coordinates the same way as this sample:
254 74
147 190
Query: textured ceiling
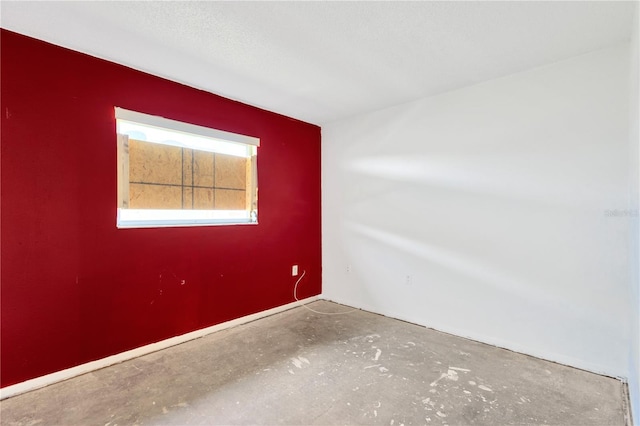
322 61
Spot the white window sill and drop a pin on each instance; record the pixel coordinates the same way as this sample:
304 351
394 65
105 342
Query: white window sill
148 218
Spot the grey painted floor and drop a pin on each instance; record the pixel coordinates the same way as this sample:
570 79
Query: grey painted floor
301 368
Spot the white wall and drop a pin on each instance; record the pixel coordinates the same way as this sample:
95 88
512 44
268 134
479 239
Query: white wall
483 211
634 299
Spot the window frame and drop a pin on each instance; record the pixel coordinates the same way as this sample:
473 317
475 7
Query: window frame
156 218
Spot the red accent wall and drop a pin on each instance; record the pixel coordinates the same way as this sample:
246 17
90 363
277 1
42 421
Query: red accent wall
74 288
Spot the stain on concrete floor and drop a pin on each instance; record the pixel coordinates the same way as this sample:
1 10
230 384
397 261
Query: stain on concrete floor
301 368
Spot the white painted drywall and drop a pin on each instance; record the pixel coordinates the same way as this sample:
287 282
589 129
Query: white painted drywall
484 211
634 140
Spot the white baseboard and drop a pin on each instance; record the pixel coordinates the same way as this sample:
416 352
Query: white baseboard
61 375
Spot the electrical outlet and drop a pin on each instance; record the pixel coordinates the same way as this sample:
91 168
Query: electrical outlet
349 269
408 280
294 271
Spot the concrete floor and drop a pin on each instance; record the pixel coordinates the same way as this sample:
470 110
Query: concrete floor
301 368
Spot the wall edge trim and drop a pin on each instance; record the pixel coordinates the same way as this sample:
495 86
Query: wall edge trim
62 375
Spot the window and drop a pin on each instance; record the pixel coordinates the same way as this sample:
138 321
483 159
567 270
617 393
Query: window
178 174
